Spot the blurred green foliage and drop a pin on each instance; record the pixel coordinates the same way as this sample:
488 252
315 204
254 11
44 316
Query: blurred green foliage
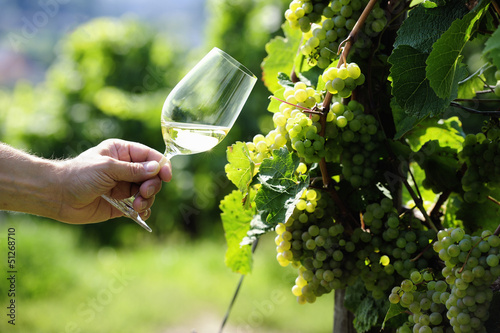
178 286
110 79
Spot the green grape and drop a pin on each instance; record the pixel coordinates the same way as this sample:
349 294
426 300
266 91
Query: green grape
479 154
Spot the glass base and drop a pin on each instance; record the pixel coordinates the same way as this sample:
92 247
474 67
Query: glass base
126 207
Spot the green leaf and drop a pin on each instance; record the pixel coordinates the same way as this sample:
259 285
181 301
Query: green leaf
280 187
240 168
403 122
425 25
410 85
448 132
236 222
281 54
274 103
285 80
368 312
394 310
492 48
450 209
443 61
467 87
441 167
257 229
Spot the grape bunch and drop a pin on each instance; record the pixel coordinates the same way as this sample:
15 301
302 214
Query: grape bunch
402 240
297 99
424 297
325 24
298 125
301 13
307 241
482 157
330 257
458 301
342 81
472 265
362 146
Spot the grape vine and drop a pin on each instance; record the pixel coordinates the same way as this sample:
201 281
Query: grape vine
368 177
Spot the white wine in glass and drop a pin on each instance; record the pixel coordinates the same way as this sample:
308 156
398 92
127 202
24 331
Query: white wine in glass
199 112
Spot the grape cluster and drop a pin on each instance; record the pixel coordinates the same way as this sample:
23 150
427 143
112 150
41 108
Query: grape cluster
459 300
360 140
424 297
343 80
403 238
297 99
326 24
329 257
298 126
301 13
471 267
482 157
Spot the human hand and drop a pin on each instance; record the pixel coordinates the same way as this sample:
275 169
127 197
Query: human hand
116 168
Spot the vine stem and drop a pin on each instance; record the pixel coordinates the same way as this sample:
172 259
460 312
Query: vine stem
306 110
240 282
497 231
434 214
493 200
353 35
418 203
495 5
490 113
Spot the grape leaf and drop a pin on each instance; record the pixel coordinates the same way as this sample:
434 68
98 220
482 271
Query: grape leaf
281 54
257 229
441 167
410 86
240 169
280 187
450 209
447 131
394 310
492 48
285 80
274 101
425 25
467 87
368 312
236 222
442 62
403 122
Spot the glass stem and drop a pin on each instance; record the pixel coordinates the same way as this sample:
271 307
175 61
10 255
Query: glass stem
170 152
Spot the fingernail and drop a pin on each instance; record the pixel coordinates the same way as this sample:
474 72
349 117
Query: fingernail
143 205
163 161
150 191
151 166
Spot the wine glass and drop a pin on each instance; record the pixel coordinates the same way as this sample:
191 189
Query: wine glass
199 112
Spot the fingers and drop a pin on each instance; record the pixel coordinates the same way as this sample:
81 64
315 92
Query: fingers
146 162
146 197
128 151
165 173
150 188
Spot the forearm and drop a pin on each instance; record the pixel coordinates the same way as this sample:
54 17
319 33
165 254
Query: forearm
28 184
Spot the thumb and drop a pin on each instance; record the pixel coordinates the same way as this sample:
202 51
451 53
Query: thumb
136 172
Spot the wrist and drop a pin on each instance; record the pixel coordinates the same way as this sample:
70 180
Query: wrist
29 184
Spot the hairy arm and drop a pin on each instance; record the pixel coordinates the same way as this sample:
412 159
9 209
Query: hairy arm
70 190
